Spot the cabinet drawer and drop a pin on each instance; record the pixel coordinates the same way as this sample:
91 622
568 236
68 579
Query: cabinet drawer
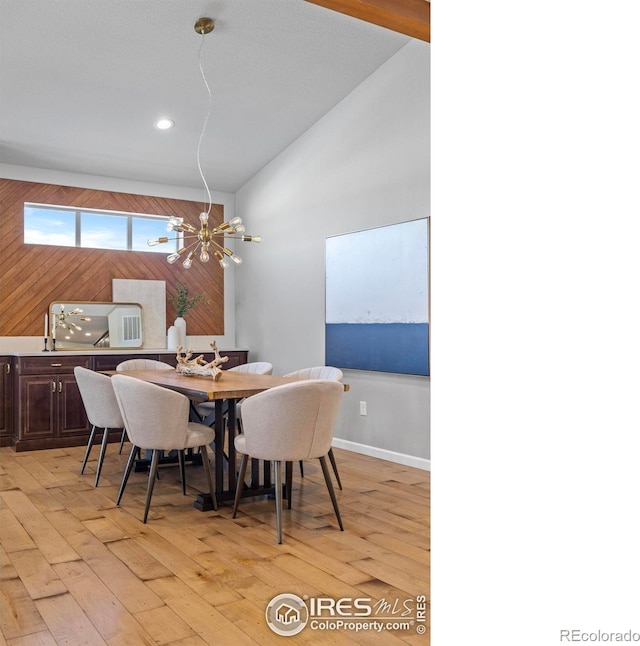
110 361
50 364
236 357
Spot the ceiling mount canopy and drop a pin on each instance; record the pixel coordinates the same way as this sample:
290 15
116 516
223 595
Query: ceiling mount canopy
204 26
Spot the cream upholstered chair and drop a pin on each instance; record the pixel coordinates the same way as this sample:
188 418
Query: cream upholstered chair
102 410
140 364
143 364
206 410
320 372
156 419
289 423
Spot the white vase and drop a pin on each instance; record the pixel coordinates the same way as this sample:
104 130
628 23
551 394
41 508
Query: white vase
181 326
173 338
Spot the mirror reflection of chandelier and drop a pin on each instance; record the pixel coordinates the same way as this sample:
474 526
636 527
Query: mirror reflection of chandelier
205 242
63 319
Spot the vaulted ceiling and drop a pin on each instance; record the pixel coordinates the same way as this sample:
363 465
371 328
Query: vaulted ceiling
82 83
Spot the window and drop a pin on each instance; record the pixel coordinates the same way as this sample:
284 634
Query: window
89 228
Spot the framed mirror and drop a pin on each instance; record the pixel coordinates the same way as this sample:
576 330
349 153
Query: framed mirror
96 326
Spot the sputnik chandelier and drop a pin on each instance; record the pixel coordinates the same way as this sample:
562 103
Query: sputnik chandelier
63 319
203 240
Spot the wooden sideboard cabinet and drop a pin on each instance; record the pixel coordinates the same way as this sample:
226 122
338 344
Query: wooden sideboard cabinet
48 409
42 406
6 382
110 361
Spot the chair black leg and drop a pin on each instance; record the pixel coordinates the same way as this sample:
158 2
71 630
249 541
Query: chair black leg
103 450
332 493
153 470
209 419
240 485
135 451
207 469
89 445
288 482
301 469
277 482
182 472
335 468
122 439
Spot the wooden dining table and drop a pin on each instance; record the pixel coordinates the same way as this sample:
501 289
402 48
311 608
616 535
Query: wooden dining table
231 387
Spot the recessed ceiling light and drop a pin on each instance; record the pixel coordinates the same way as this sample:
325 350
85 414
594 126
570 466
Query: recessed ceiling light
164 124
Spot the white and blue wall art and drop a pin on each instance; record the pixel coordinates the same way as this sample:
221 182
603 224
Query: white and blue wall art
377 313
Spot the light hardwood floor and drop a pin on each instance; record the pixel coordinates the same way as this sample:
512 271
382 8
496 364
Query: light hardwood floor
76 569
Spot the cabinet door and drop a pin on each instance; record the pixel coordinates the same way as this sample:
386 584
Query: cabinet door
5 396
72 418
38 397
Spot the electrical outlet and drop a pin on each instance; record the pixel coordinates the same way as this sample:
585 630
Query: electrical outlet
363 408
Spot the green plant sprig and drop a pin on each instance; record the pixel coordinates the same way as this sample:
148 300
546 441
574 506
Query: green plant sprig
181 302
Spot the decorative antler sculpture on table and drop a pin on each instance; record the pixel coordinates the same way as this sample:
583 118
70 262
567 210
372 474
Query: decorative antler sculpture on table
198 366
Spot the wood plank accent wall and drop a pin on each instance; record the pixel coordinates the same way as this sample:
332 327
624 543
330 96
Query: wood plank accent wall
33 276
410 17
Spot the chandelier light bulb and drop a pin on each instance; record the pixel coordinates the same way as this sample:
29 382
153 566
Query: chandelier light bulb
155 241
173 257
221 259
174 223
236 259
188 261
204 217
204 255
235 222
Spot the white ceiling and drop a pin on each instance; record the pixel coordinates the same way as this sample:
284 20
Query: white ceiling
82 83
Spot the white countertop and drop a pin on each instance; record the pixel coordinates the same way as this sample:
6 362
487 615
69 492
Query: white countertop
137 351
32 345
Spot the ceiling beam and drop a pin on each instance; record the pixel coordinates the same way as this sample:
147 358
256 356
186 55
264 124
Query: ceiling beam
409 17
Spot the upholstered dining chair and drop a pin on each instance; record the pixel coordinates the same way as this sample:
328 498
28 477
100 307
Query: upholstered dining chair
102 410
320 372
206 410
140 364
143 364
286 424
156 419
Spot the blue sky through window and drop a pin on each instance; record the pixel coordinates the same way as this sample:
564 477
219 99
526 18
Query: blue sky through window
97 230
49 226
103 232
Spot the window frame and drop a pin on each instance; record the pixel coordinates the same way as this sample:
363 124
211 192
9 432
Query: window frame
171 246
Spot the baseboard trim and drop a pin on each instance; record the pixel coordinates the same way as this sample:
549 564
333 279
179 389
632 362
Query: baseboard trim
383 454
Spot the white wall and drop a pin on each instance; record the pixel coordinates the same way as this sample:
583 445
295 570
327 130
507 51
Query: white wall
364 164
45 176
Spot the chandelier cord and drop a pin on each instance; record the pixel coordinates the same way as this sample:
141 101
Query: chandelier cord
204 125
204 236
